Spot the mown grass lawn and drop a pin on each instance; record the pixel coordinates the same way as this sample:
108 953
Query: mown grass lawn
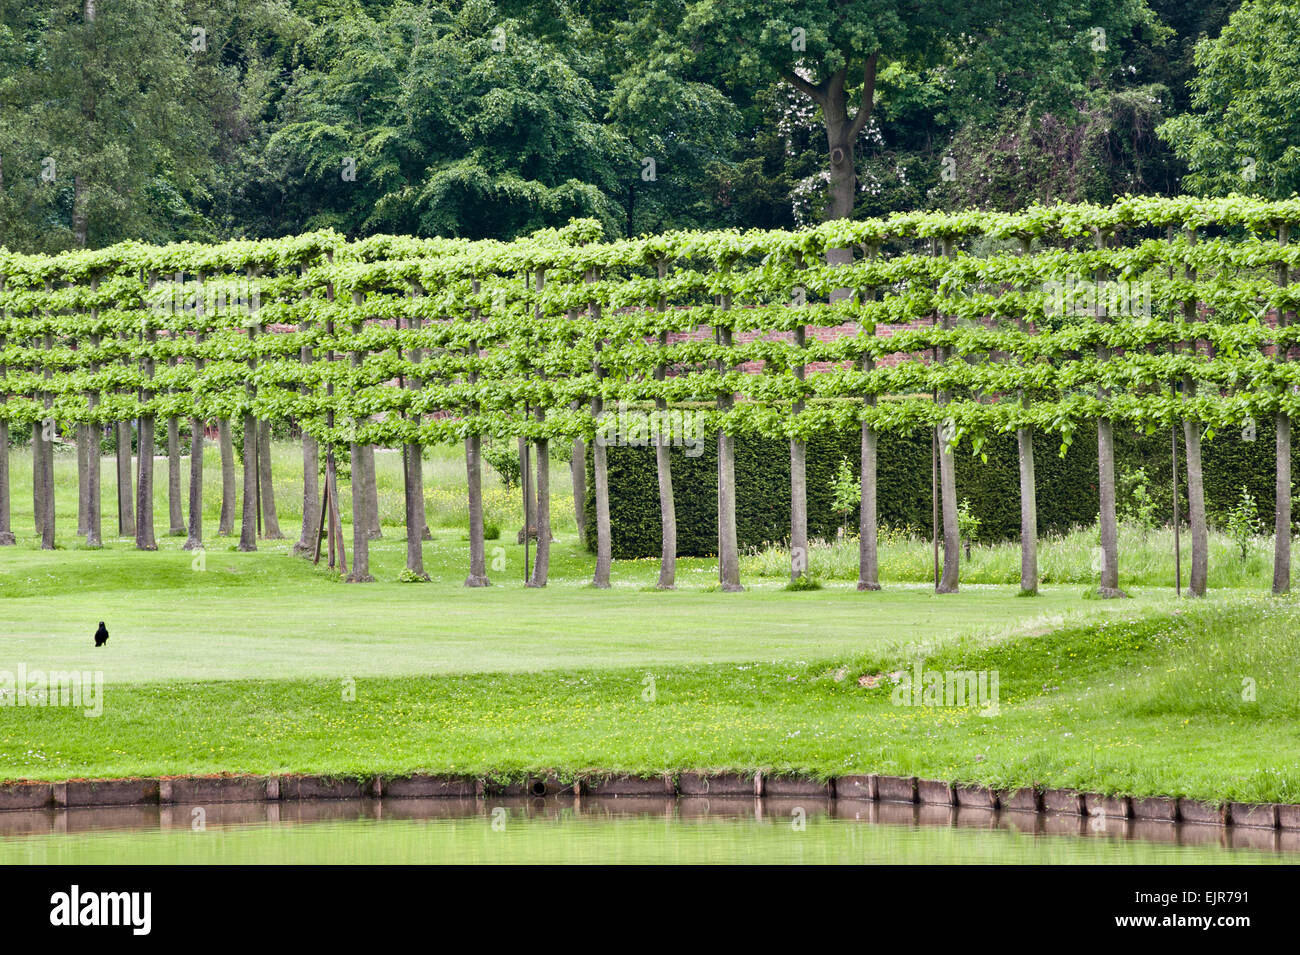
270 616
1145 705
245 663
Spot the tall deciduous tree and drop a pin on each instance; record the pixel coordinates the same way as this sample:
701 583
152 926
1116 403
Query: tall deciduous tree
839 53
1238 136
1244 117
448 118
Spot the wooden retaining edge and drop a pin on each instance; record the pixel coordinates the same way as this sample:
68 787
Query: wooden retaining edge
932 792
719 784
629 786
1112 807
872 787
1066 802
1022 799
1157 808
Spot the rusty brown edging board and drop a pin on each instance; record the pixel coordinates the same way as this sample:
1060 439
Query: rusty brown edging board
193 790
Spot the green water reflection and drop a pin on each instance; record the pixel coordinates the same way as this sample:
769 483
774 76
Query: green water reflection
624 830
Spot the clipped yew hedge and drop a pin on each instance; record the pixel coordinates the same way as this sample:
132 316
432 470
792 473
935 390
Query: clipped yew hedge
1067 486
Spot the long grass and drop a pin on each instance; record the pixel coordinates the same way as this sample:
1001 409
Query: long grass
1146 559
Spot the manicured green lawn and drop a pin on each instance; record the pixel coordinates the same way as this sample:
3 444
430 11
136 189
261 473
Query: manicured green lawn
272 616
1145 705
246 662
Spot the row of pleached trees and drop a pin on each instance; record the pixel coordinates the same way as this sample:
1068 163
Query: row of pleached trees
1149 313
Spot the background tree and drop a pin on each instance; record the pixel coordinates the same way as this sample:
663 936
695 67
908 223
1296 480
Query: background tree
457 120
839 53
1243 117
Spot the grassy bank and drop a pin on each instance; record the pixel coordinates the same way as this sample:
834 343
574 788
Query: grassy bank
1146 559
246 662
1146 705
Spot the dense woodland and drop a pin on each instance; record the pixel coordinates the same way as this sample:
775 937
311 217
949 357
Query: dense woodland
167 120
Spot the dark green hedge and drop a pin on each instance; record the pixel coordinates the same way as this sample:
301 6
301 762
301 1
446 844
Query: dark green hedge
1067 486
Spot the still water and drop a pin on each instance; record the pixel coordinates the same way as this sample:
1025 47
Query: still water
629 830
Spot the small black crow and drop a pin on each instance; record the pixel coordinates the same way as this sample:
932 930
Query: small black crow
101 635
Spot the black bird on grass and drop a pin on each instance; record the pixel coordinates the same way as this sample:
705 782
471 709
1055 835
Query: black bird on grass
101 635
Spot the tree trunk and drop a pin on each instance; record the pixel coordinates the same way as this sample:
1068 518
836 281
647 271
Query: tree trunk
47 527
252 502
1192 442
311 501
194 528
868 557
338 551
474 472
578 477
370 490
194 533
81 436
360 531
7 538
1028 484
361 514
1282 518
417 529
948 583
38 478
1282 513
667 512
728 550
798 485
94 460
125 482
664 468
83 468
94 482
600 477
1028 513
47 490
414 498
1109 528
265 483
1195 502
144 535
43 463
248 514
542 566
599 466
530 493
799 559
334 535
144 518
175 510
868 519
309 538
226 447
80 214
841 138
